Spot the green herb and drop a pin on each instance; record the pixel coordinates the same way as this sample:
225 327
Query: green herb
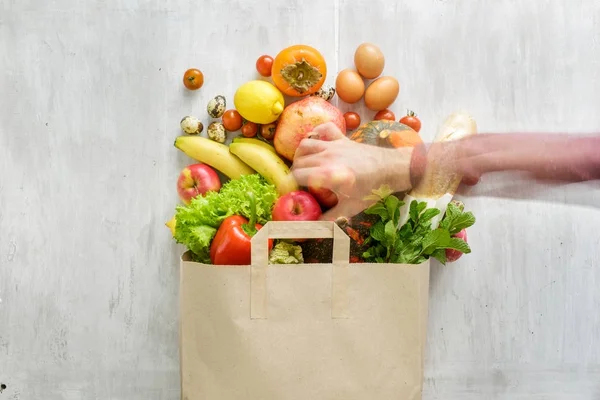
286 253
415 241
197 223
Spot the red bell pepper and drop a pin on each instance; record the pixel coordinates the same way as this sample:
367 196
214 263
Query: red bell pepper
231 244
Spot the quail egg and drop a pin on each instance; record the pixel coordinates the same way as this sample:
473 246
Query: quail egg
216 106
191 125
216 131
326 92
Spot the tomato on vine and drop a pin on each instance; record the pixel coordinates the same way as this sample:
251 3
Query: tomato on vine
385 114
411 119
193 79
352 120
264 64
232 120
250 129
268 131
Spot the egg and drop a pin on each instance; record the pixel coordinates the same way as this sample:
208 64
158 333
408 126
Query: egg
381 93
349 86
325 92
369 60
216 106
216 131
191 125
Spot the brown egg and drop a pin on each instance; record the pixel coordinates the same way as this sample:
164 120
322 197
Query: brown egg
369 60
381 93
349 86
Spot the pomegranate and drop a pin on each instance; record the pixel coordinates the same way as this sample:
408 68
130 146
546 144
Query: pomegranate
299 119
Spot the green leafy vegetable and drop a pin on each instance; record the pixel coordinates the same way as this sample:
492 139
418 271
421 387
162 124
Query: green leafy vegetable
197 223
415 241
286 253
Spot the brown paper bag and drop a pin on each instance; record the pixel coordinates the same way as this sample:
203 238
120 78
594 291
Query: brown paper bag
335 331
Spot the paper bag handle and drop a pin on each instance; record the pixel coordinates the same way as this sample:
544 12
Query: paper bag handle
299 230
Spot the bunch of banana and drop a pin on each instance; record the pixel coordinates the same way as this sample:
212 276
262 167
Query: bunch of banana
242 157
267 163
213 153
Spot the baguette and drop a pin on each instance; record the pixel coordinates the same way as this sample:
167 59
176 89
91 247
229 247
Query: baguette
440 181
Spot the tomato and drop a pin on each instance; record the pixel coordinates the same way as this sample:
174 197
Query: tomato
232 120
385 114
264 64
268 131
250 129
193 79
352 120
411 120
299 70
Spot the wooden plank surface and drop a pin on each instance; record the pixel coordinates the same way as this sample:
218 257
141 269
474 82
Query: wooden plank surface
90 103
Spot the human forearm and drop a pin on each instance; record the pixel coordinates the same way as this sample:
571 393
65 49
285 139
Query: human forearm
395 168
546 156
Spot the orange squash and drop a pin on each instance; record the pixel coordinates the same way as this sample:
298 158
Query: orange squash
386 133
299 70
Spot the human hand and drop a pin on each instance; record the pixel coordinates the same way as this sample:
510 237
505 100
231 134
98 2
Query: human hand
350 169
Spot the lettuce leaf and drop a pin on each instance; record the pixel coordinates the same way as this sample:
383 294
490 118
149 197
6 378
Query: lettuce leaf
197 222
286 253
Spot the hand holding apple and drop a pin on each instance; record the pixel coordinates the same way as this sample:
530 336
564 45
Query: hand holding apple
195 180
349 169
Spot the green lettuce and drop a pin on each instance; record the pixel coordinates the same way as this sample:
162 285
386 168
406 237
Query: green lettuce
197 222
286 253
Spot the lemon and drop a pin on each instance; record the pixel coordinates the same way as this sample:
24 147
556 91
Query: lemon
259 102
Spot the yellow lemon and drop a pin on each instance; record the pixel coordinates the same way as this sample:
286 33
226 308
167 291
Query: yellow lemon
259 102
171 225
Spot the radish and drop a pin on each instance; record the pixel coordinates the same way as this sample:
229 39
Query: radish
453 255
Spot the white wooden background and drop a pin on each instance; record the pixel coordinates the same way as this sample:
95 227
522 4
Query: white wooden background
90 102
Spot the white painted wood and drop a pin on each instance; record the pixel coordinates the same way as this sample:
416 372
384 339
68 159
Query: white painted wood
91 99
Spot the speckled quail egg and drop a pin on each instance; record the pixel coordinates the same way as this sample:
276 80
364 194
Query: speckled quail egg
191 125
326 92
216 131
216 106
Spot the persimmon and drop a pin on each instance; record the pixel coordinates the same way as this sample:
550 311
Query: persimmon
299 70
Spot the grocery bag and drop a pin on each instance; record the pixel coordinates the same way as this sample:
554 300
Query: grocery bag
338 331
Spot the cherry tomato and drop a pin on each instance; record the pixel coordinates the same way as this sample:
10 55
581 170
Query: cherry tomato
268 131
193 79
232 120
411 120
352 120
385 114
264 65
250 129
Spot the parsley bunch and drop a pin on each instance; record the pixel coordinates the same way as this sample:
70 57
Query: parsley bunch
415 241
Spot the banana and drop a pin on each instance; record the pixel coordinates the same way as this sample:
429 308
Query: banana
242 139
215 154
266 163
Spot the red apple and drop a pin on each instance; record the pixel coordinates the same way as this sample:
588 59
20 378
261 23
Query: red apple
324 196
338 177
195 180
453 255
296 206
